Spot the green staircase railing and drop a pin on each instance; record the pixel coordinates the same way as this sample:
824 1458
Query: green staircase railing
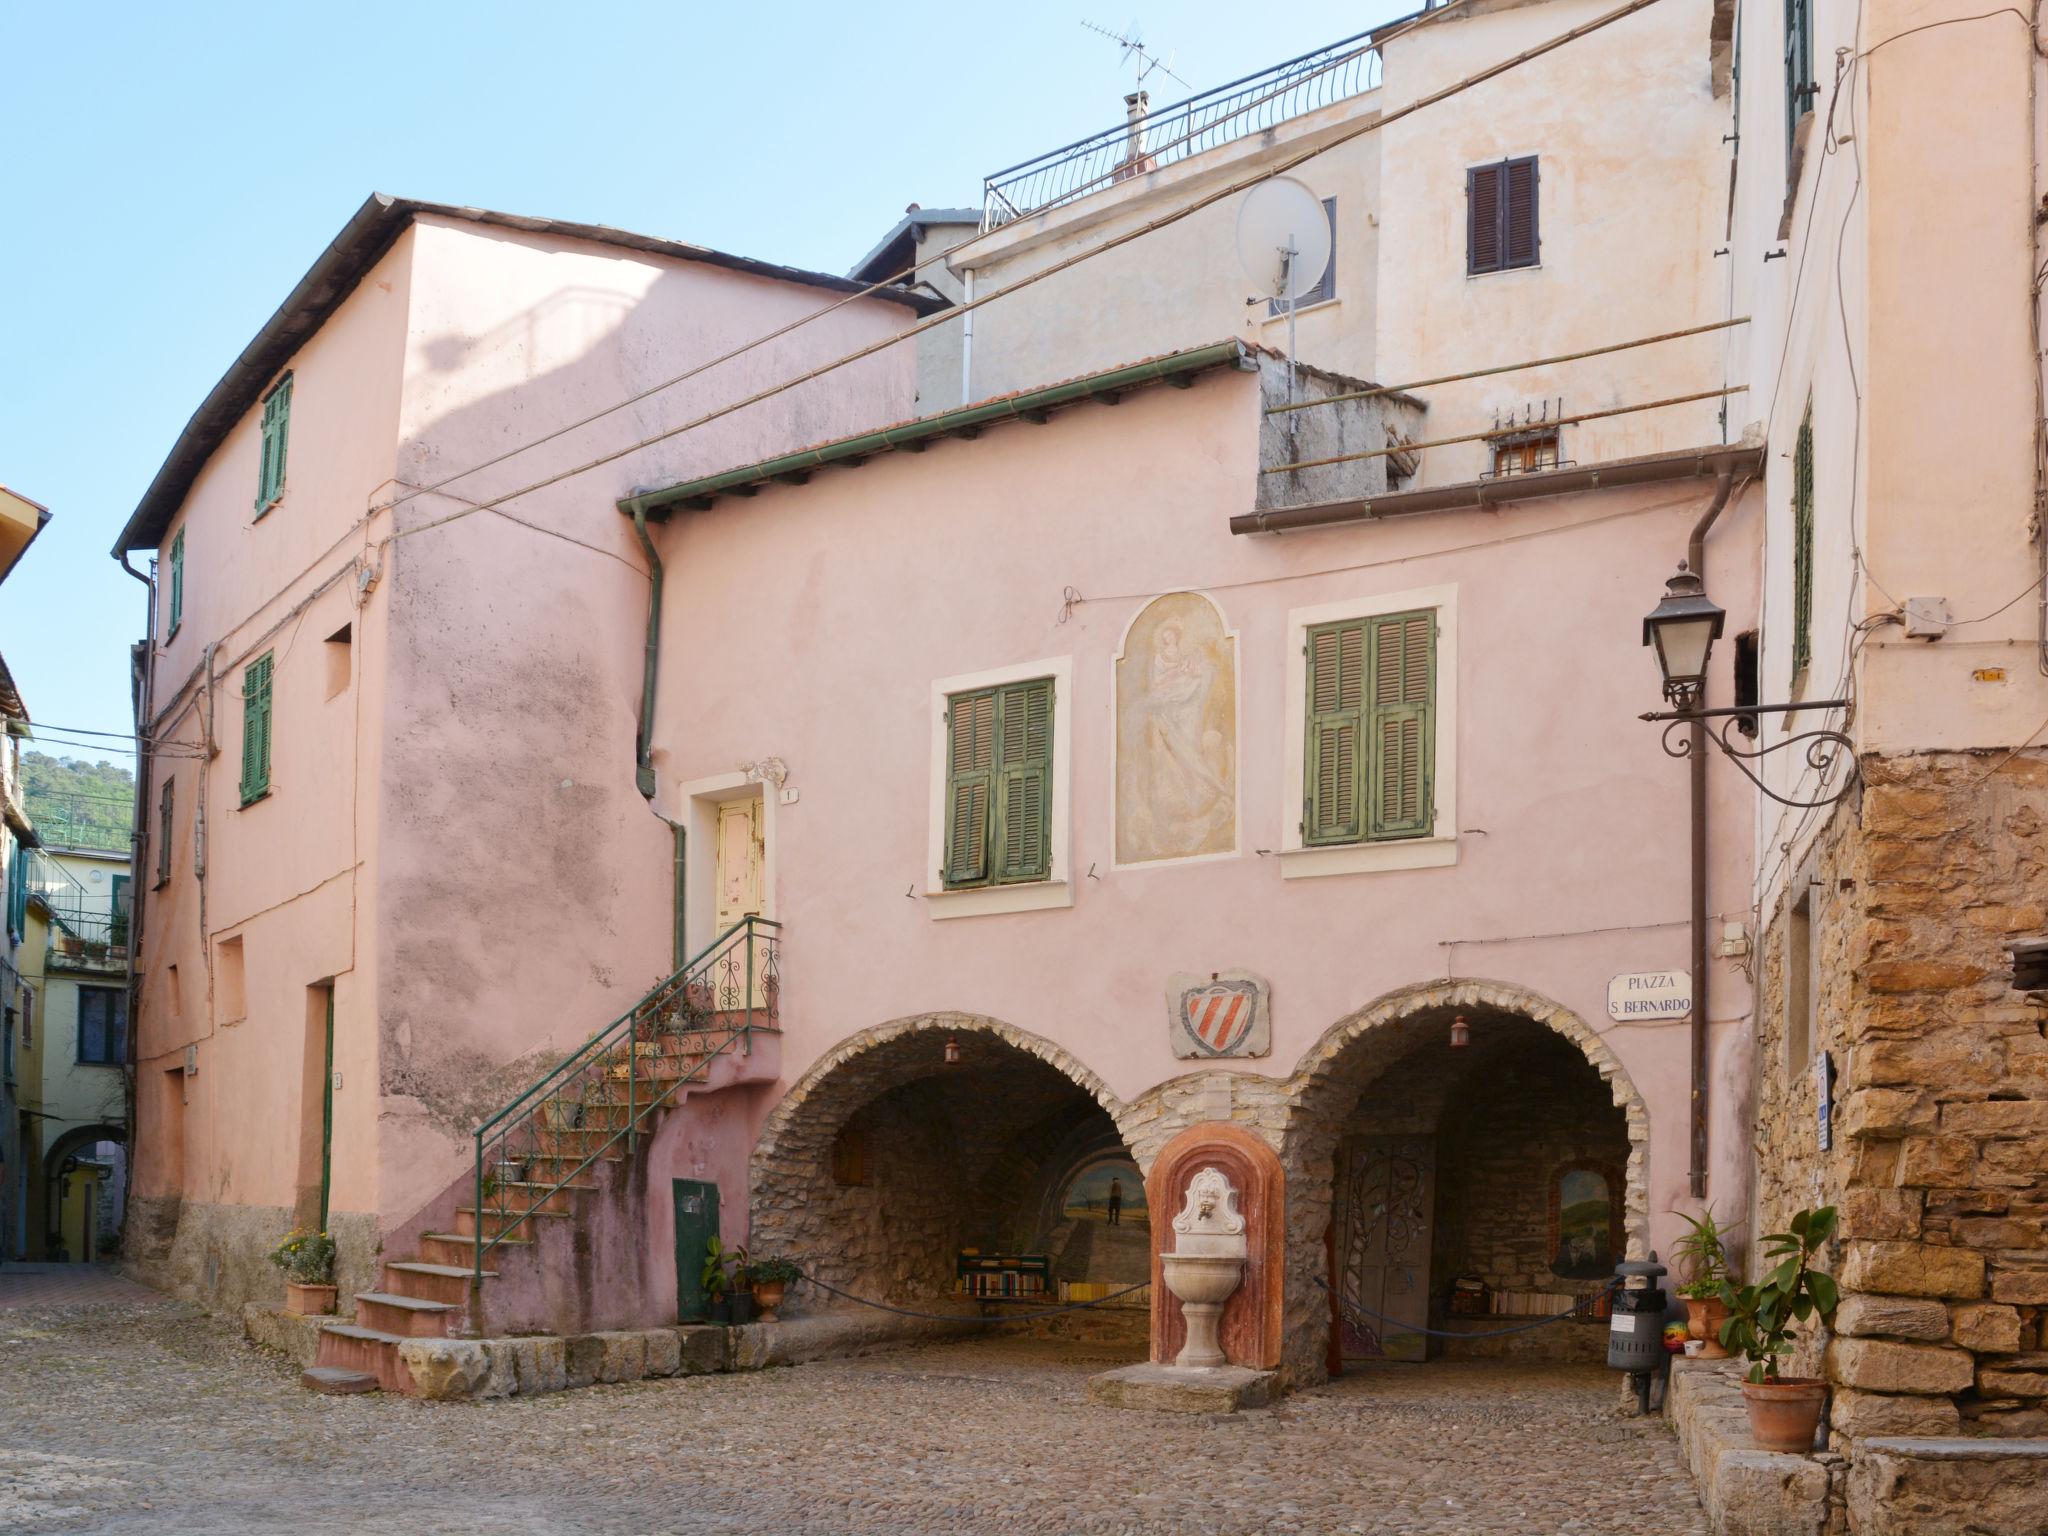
532 1153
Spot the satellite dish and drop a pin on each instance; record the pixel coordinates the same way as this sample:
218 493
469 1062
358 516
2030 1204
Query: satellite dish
1283 238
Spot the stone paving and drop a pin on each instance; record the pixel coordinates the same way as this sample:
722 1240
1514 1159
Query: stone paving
30 1285
151 1417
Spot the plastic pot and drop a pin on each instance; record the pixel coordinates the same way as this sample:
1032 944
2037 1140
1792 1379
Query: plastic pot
1784 1414
740 1307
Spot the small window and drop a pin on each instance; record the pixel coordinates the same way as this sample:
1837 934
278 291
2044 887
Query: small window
999 784
256 728
1500 216
166 823
1326 286
102 1026
1524 453
1371 715
177 596
1746 676
277 420
232 981
339 645
1802 548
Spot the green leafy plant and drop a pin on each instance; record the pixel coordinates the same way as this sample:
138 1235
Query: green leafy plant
717 1257
1703 1253
307 1257
1761 1316
770 1270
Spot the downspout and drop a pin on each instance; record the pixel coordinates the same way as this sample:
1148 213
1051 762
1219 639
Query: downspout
967 340
1696 757
644 769
140 690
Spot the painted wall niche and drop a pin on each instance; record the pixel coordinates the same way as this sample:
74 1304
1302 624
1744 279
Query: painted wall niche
1586 1238
1176 733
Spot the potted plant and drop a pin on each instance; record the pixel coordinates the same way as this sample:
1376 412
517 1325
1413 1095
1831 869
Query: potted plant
307 1259
715 1281
739 1301
1703 1252
1783 1410
771 1279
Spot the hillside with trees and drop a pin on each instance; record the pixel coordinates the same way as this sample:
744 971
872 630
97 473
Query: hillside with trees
78 804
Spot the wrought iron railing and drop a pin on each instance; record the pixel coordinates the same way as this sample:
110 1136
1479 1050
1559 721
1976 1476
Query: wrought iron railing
532 1154
82 821
1216 117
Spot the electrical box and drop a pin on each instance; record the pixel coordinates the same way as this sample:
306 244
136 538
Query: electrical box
1927 618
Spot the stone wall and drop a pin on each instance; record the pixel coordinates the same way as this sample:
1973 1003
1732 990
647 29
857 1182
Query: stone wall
1940 1161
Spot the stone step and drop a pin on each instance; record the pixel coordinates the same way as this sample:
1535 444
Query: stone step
349 1347
576 1141
430 1281
496 1222
516 1198
411 1317
336 1381
457 1250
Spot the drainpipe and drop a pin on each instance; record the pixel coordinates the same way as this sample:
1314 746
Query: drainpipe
1695 552
138 855
644 770
967 340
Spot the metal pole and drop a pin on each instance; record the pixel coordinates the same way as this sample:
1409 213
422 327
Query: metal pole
1698 764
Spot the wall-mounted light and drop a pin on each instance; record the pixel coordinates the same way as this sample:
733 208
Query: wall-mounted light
1461 1032
952 1052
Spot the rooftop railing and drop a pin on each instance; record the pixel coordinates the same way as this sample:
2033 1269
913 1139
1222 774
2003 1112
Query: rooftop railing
1158 139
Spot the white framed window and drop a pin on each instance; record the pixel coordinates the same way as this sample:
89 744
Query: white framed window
955 885
1356 814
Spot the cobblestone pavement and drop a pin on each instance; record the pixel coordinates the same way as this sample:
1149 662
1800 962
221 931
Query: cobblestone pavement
153 1418
56 1285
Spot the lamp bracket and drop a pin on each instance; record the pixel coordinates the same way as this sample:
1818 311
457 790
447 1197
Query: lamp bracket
1822 751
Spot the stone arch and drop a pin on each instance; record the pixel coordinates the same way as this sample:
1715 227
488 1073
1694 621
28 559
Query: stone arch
1354 1052
942 1151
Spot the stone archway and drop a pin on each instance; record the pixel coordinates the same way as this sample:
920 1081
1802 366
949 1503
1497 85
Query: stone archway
884 1160
1355 1053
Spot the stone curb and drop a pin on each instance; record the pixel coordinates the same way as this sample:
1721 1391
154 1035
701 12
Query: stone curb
1745 1491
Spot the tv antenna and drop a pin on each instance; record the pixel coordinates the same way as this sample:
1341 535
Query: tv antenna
1283 243
1133 44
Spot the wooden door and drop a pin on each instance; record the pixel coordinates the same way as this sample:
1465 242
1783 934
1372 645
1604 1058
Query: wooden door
741 886
696 1223
1386 1198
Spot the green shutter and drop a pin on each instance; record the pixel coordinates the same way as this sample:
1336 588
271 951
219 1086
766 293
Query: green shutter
177 583
1802 546
256 728
277 419
1371 723
166 821
1023 834
1402 724
970 761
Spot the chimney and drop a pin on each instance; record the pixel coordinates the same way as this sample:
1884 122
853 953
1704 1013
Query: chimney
1134 125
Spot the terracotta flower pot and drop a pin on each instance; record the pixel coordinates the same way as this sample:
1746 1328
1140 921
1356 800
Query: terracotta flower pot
1704 1317
308 1300
1784 1414
767 1297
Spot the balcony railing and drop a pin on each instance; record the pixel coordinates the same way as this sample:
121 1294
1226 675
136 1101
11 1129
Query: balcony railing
1216 117
82 821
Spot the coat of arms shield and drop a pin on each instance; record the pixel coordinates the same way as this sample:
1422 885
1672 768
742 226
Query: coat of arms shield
1226 1013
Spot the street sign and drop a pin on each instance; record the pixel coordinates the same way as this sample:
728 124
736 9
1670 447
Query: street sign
1650 995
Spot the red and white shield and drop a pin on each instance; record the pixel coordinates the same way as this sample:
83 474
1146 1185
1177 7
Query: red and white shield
1218 1016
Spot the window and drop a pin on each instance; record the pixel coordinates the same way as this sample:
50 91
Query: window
277 420
232 992
1371 731
256 729
339 644
1326 286
1524 453
17 889
1746 677
999 784
102 1026
165 823
1800 86
1802 548
849 1158
177 584
1500 216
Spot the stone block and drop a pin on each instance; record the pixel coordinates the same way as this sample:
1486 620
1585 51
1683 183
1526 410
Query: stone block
702 1349
1860 1415
2021 1287
2007 919
1881 1213
541 1365
501 1368
1913 1269
751 1346
1882 1365
1920 975
583 1359
1897 1317
1886 1113
1945 1059
1900 1486
664 1352
445 1370
1169 1389
295 1336
2021 1423
1997 1117
624 1357
2001 1232
1768 1493
1987 1328
1993 1382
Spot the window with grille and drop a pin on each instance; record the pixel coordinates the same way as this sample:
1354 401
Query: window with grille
1523 453
1371 718
999 784
277 420
1500 216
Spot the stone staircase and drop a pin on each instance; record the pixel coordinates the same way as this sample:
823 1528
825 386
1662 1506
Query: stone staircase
578 1144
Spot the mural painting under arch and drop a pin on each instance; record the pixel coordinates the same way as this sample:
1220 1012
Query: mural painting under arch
1176 733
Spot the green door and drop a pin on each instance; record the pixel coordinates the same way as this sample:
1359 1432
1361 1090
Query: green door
696 1225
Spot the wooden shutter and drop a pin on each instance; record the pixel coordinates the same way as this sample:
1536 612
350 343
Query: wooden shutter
1402 724
1331 810
1802 546
1518 213
1024 780
277 415
970 761
256 728
177 583
1482 218
165 822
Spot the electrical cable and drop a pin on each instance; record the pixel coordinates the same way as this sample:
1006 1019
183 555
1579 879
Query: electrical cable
954 1317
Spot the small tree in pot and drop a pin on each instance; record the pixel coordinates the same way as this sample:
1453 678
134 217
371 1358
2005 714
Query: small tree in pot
1703 1253
1784 1411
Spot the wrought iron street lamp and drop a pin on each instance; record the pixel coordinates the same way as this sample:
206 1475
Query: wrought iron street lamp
1683 628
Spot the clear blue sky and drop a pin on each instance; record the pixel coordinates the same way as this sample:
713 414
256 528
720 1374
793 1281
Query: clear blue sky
172 170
